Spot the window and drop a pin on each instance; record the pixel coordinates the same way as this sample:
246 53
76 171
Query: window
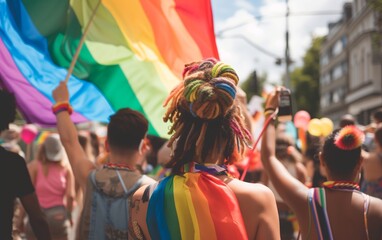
324 59
325 79
337 48
337 72
325 100
344 41
338 94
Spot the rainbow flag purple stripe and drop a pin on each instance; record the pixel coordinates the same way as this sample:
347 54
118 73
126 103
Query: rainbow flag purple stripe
133 54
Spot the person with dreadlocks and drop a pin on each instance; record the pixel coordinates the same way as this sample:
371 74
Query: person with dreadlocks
338 210
199 200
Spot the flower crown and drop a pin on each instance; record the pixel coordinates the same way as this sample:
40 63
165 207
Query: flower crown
349 138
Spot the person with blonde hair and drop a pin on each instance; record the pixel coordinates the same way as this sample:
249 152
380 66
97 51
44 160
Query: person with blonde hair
200 200
54 183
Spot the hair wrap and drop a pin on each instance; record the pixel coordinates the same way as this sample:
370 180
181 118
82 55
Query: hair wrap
349 138
203 112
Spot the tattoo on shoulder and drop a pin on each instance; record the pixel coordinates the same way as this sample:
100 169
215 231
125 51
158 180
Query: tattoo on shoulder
146 194
135 204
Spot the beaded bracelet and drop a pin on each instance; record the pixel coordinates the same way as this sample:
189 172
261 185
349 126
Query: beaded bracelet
62 106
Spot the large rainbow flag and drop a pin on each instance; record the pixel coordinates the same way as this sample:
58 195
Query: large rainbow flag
133 54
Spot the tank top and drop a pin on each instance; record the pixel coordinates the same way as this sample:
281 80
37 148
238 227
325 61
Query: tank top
317 207
51 189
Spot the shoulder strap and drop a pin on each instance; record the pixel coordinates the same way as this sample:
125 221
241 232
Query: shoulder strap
121 181
134 188
317 204
366 204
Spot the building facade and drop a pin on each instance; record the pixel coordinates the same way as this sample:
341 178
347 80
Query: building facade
351 79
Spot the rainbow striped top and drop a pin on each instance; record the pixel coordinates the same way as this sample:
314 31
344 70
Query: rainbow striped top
195 205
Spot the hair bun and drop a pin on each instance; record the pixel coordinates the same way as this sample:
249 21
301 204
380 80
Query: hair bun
349 138
210 88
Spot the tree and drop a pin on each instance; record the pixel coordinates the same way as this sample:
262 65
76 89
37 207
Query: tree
306 80
253 85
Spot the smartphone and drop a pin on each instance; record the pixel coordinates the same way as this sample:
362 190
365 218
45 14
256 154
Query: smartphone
285 106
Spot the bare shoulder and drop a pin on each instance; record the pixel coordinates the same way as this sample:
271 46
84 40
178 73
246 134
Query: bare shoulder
141 197
375 208
370 157
139 193
374 217
253 192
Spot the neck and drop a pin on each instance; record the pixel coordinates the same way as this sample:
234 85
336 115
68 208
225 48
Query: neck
351 178
131 158
211 159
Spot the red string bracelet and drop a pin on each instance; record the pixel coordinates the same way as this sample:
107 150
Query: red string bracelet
62 106
269 118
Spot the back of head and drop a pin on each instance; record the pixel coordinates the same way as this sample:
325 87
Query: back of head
206 121
346 120
126 130
378 136
53 148
283 141
342 151
7 109
377 116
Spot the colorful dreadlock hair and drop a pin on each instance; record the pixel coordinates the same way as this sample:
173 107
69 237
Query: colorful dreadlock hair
205 119
342 150
349 138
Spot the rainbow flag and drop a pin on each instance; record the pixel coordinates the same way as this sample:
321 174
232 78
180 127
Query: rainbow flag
194 206
133 54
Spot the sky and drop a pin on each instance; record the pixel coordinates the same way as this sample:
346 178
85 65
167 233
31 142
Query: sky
262 22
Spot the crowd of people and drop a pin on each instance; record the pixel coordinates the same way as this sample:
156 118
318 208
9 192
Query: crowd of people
138 186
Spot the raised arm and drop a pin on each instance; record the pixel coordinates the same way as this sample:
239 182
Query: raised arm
293 192
70 193
81 165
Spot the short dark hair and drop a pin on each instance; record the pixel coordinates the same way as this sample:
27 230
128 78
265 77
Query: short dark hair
377 115
7 109
378 136
283 141
340 162
346 120
126 129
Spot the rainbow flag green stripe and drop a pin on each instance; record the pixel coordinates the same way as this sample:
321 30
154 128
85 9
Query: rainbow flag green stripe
194 206
133 54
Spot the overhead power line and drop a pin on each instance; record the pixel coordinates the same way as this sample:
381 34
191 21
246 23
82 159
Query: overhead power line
291 14
258 47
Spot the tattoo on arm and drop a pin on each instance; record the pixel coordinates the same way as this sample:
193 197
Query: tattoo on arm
135 204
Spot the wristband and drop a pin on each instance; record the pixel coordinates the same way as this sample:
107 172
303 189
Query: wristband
269 111
62 106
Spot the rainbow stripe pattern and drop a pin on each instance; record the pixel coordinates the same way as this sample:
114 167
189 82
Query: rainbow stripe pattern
133 54
196 205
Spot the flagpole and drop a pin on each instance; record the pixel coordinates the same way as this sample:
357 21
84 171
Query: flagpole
79 47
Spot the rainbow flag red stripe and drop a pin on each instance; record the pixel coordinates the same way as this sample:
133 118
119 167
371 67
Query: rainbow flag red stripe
133 54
